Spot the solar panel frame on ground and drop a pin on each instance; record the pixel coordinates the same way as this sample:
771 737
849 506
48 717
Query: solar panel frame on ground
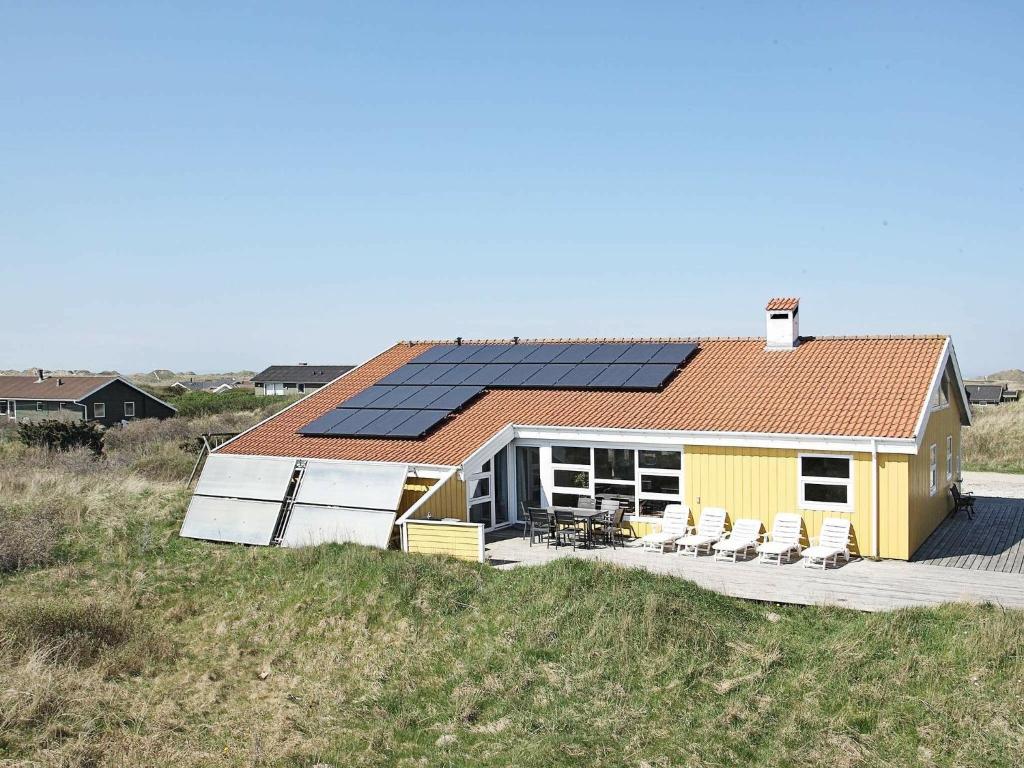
422 393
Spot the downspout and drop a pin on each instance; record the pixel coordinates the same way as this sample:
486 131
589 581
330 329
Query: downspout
874 498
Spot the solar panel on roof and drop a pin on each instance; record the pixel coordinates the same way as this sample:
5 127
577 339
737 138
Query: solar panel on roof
382 425
545 353
354 419
640 352
392 399
424 397
614 376
575 353
517 375
674 353
321 424
487 374
366 397
456 397
487 352
401 375
607 353
516 353
651 376
418 424
460 353
456 374
580 375
429 373
549 375
434 354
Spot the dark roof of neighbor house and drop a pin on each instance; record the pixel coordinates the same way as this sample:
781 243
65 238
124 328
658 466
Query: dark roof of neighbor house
988 393
302 374
52 387
840 386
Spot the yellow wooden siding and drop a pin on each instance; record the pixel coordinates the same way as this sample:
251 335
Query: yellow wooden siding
447 501
761 482
927 510
415 489
459 541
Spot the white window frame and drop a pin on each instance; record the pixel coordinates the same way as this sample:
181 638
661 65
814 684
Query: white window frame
39 405
949 457
933 469
273 388
6 408
803 479
126 404
99 410
12 409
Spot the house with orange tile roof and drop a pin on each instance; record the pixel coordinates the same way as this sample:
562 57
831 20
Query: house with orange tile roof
430 445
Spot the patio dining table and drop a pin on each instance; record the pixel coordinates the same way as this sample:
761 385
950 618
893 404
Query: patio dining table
587 516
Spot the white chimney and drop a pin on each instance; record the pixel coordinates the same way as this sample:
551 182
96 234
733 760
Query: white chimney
782 323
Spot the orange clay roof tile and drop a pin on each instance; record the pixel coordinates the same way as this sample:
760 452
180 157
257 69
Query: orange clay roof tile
842 386
782 304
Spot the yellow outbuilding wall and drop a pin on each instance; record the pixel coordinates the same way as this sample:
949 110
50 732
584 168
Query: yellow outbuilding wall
927 510
459 540
761 482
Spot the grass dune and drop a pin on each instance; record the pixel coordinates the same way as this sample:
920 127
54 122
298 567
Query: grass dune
128 645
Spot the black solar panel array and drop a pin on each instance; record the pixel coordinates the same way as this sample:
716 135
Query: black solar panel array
422 393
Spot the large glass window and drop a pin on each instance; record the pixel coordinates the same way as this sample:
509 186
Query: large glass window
565 499
614 464
572 478
826 482
528 476
660 460
569 454
500 476
666 484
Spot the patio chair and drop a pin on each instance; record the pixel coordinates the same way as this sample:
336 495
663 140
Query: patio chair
961 500
784 540
608 526
540 523
524 516
674 525
709 529
744 537
566 527
833 541
586 502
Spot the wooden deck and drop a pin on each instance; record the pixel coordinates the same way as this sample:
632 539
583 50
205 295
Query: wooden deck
861 584
992 541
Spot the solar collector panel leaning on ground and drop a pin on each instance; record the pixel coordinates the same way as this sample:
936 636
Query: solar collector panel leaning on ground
420 395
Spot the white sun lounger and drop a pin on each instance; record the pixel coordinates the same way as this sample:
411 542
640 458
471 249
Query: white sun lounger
784 540
744 536
833 541
675 524
708 530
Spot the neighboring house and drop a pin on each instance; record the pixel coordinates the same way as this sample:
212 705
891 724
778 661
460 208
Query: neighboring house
104 399
215 386
296 379
434 443
986 394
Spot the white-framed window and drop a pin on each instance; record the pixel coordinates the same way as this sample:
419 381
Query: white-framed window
3 407
99 410
825 482
949 457
302 388
273 388
933 469
39 405
129 409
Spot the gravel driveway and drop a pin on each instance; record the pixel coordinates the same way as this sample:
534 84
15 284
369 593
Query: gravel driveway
994 484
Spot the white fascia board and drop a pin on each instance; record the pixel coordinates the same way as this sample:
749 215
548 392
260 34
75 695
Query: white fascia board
663 437
965 403
501 438
948 356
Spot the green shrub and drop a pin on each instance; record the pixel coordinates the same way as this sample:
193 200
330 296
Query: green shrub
190 404
61 435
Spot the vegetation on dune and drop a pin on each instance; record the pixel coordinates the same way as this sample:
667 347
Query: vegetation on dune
193 404
126 644
995 442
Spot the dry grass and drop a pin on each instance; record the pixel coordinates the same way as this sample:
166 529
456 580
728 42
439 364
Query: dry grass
995 443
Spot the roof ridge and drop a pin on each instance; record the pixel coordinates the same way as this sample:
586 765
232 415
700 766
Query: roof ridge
679 339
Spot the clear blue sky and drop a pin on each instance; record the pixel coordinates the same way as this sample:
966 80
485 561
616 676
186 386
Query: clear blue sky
224 186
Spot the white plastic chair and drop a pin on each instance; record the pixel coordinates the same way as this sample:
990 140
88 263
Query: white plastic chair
784 540
833 541
708 530
744 536
674 525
